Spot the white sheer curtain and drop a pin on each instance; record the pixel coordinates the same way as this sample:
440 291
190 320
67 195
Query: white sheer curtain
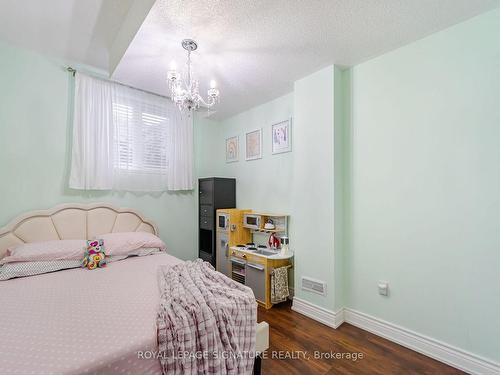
126 139
180 155
92 159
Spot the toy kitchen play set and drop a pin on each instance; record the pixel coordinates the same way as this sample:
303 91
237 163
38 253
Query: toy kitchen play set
252 248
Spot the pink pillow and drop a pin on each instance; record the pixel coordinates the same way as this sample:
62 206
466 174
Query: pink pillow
127 243
45 251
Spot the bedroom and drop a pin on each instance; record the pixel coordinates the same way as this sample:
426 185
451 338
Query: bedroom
389 181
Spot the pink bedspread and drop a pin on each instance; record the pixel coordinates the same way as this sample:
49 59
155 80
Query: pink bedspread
82 322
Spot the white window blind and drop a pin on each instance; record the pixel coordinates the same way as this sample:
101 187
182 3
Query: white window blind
138 141
141 139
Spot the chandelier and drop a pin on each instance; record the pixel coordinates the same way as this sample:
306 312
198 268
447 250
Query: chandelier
185 89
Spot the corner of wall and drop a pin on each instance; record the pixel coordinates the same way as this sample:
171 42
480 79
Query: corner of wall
340 206
313 185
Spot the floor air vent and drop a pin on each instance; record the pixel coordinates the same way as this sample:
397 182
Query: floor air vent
315 286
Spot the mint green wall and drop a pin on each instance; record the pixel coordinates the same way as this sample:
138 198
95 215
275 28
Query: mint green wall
35 104
262 184
426 186
299 182
341 107
312 232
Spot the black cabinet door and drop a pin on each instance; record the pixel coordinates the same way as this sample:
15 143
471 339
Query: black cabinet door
214 193
207 191
225 193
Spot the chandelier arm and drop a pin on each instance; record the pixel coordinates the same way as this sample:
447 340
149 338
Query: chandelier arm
208 104
189 69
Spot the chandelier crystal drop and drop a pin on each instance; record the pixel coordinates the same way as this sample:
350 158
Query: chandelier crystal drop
185 89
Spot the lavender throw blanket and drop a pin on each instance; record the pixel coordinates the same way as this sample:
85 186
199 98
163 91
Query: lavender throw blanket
206 322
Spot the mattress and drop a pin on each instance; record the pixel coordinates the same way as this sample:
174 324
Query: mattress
82 322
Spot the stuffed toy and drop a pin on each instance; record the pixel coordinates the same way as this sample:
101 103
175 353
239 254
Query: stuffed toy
95 256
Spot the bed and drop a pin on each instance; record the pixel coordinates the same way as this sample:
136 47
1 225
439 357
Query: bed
78 321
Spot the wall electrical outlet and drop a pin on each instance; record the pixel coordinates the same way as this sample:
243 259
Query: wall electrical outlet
383 288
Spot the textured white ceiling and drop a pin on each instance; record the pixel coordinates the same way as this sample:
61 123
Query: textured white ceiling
81 31
257 49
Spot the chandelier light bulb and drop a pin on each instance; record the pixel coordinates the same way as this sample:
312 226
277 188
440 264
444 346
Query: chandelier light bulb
173 65
213 84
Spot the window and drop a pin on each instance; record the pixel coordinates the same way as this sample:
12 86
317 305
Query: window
129 140
140 139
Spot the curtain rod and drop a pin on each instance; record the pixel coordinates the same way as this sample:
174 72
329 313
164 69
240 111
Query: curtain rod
73 71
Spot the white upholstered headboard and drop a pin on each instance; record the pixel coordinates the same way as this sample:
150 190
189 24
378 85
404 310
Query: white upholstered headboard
72 221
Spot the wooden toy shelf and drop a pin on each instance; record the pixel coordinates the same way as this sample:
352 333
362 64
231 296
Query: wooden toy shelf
280 222
276 230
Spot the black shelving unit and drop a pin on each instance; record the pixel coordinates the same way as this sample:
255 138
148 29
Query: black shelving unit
214 193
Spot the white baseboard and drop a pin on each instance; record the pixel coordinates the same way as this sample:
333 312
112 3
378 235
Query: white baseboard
320 314
430 347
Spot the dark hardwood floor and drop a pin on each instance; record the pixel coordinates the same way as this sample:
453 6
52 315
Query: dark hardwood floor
294 334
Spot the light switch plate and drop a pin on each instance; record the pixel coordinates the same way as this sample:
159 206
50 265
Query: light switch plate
383 288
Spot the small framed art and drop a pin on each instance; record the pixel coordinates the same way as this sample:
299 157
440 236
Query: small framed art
232 149
281 136
253 145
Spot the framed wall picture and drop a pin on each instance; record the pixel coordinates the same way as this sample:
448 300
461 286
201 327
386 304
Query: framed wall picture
281 136
232 149
253 144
